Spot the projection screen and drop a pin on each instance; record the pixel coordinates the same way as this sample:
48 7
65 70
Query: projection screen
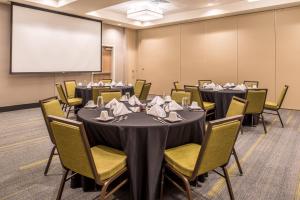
47 41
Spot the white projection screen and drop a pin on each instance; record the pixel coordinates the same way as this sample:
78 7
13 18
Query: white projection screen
47 41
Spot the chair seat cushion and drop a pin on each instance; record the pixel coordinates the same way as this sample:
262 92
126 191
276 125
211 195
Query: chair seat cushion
271 105
75 101
208 105
108 161
183 158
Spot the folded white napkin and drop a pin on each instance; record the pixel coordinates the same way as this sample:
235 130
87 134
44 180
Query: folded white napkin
229 85
79 84
101 83
130 84
156 111
218 87
90 104
157 100
120 84
134 101
240 87
113 83
112 104
174 106
209 86
123 98
121 109
89 85
106 84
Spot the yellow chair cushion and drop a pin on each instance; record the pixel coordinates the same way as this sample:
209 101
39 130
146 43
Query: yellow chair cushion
183 158
208 105
271 105
75 101
108 161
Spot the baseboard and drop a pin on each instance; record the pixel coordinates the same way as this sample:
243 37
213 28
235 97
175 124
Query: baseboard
19 107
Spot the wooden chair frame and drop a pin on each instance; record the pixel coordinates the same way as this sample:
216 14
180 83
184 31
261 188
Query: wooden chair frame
104 194
52 153
213 111
261 113
175 87
66 106
143 88
186 180
279 107
206 81
65 85
255 82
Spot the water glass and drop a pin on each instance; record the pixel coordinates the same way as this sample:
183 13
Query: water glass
100 102
184 102
127 94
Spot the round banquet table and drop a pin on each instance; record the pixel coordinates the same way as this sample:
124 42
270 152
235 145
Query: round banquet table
143 140
221 98
86 93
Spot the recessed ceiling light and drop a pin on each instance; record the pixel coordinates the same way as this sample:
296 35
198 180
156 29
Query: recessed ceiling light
53 3
145 13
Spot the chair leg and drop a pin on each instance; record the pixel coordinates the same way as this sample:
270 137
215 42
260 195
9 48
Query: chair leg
228 183
162 183
49 161
242 129
263 121
103 191
187 188
62 184
280 119
237 161
69 111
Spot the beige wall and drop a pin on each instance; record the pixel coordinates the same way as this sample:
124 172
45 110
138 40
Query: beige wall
261 46
22 89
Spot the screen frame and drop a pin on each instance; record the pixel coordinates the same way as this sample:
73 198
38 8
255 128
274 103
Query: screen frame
55 12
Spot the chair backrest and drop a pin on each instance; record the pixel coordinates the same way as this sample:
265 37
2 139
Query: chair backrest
196 95
250 84
145 91
218 144
138 87
96 91
106 80
73 147
282 96
256 100
70 87
110 95
237 106
177 85
51 106
202 82
61 93
177 96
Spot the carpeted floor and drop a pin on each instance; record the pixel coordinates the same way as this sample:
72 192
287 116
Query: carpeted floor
271 163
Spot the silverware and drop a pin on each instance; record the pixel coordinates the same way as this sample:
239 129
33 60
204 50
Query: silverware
159 120
180 117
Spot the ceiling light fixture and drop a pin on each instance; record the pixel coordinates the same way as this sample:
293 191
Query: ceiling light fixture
145 13
52 3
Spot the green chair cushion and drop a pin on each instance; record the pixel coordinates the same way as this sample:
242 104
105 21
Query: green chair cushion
271 105
75 101
208 105
183 158
108 161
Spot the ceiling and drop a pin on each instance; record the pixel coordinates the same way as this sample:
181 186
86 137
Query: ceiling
175 11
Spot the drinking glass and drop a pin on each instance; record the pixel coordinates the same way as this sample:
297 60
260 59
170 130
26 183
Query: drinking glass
184 102
100 102
127 94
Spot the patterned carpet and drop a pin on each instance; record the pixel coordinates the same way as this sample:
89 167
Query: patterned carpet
271 163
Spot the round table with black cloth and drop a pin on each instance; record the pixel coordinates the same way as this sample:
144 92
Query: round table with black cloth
222 99
86 93
143 140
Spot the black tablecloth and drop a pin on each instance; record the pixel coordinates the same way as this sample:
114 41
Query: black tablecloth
86 93
221 98
144 141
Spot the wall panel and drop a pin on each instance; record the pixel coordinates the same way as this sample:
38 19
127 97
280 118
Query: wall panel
256 55
288 54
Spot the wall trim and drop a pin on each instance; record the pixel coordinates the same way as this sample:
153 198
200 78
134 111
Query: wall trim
19 107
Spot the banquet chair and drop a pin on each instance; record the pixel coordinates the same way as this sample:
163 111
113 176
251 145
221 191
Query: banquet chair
101 163
250 84
208 107
256 101
106 80
110 95
272 106
51 106
177 96
70 87
145 91
177 85
237 106
202 82
138 87
68 102
190 160
96 91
